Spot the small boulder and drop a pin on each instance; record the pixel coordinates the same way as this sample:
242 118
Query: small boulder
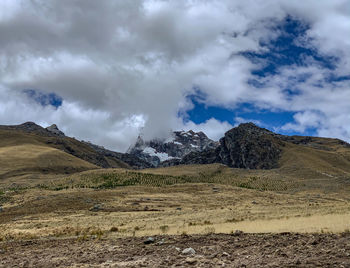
188 251
237 233
149 240
96 207
191 260
225 254
161 242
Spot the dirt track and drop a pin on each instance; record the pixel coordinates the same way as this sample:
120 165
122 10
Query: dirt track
214 250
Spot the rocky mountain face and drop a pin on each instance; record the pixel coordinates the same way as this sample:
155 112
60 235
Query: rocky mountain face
172 150
251 147
246 146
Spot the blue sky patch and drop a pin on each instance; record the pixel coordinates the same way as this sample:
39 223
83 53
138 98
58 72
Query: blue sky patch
244 113
286 50
44 99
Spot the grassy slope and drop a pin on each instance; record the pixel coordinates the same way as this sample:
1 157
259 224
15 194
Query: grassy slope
28 158
66 144
26 154
22 153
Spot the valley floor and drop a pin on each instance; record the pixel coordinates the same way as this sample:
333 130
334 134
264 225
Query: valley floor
173 210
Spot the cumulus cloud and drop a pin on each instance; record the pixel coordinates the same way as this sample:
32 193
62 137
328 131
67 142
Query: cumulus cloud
240 120
213 128
126 66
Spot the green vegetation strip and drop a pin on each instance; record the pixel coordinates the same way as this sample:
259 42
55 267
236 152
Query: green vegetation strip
129 178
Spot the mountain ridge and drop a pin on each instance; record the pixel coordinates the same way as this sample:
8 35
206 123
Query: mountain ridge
51 136
246 146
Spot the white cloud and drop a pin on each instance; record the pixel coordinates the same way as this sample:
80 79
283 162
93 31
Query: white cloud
124 65
240 120
73 119
213 128
304 120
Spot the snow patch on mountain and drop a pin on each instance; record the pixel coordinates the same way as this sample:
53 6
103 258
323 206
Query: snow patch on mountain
152 152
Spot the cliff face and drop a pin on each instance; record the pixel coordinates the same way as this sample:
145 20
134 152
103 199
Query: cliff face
248 146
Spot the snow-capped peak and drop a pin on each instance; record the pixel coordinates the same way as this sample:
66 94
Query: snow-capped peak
176 146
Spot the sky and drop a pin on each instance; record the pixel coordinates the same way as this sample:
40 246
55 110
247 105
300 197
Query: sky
105 71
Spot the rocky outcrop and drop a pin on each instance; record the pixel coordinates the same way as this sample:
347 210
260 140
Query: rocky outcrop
170 151
54 130
249 146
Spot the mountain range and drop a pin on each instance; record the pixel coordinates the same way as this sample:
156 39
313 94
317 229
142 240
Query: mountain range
246 146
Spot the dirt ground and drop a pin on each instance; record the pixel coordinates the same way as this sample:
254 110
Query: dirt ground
213 250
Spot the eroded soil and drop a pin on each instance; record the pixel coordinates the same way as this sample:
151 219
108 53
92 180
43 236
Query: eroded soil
212 250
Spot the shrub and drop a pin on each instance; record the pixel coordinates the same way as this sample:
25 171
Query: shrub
164 228
114 229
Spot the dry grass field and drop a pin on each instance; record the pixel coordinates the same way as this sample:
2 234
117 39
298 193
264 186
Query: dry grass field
215 199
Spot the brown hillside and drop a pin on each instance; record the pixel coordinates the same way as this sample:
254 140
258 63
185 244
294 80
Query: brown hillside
30 158
16 135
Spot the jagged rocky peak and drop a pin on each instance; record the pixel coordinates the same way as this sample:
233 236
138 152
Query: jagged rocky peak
194 141
176 146
54 130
